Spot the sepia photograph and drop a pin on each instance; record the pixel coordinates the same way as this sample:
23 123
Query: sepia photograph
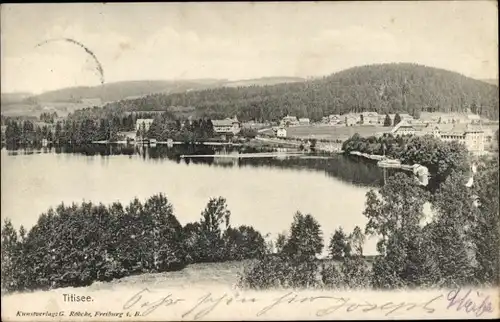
220 161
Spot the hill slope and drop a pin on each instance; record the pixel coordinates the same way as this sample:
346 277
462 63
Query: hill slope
493 81
366 88
134 89
121 90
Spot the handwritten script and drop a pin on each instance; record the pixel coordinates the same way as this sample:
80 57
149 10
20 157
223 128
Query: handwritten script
147 301
472 302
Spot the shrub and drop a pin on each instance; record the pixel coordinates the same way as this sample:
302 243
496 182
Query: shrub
331 276
248 133
278 271
80 244
243 243
355 272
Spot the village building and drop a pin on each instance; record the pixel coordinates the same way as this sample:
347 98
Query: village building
281 132
289 121
227 126
472 136
304 121
369 117
351 119
334 119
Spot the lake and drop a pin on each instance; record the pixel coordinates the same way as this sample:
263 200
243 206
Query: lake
262 192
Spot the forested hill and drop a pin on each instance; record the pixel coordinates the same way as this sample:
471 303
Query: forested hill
380 88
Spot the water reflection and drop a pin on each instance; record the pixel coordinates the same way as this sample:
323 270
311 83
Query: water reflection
350 169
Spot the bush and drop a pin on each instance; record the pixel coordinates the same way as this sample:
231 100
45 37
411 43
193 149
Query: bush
278 271
243 242
80 244
331 277
248 133
355 272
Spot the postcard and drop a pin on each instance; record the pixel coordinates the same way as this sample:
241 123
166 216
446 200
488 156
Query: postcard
250 161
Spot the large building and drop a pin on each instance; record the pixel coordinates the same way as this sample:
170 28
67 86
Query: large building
304 121
369 117
227 126
471 135
351 119
289 121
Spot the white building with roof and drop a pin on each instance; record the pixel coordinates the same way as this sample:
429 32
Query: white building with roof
227 126
289 121
281 132
304 121
472 136
369 117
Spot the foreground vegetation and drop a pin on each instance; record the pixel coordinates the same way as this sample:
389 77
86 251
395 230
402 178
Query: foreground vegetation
458 247
79 244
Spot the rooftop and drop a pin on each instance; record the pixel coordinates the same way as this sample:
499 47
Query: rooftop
225 122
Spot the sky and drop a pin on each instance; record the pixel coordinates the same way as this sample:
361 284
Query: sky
155 41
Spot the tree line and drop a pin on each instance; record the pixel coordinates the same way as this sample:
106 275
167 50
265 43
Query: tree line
440 157
85 127
458 246
78 244
384 88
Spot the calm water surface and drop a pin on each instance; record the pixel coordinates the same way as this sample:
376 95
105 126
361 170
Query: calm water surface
264 193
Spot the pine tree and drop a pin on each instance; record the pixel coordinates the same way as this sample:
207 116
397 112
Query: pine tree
10 256
305 239
214 221
387 120
397 119
339 246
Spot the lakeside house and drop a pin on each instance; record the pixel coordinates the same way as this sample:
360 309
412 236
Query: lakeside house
227 126
281 132
472 136
289 121
143 124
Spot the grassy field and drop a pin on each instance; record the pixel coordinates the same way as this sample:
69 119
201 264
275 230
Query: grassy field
332 132
203 274
207 292
21 109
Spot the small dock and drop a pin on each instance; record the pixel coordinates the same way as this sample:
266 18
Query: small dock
243 155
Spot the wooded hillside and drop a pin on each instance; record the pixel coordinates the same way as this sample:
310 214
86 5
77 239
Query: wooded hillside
385 88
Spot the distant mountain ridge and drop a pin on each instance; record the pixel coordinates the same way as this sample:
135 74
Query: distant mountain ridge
133 89
14 97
